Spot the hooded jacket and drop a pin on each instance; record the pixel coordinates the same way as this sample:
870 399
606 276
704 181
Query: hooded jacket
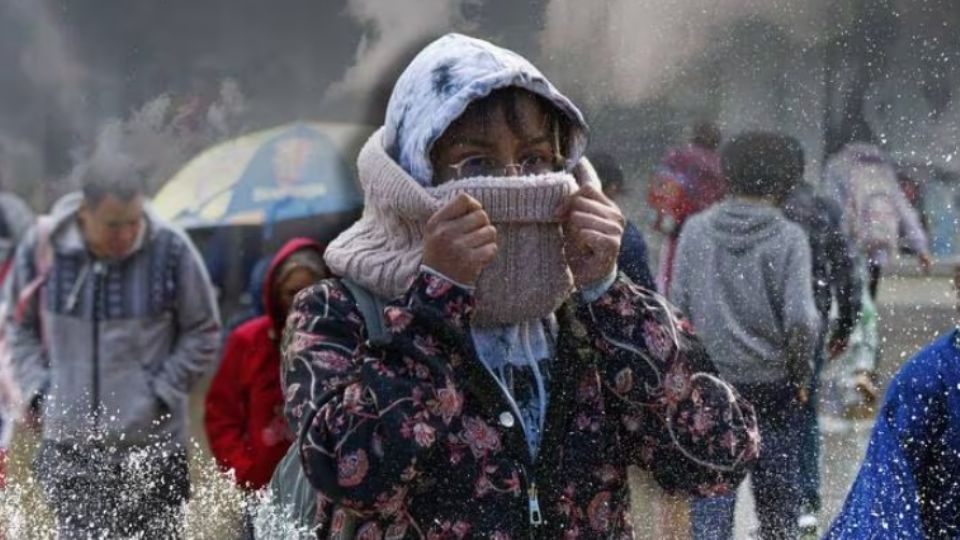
122 341
742 275
244 406
412 437
443 80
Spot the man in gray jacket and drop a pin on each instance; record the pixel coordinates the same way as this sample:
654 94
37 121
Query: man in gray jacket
109 349
742 275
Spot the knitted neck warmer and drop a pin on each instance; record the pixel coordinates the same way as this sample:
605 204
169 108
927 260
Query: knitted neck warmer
528 279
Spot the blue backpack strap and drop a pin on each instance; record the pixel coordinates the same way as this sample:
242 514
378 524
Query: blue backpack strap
371 308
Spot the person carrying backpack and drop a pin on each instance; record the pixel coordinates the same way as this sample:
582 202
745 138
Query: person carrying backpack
244 407
687 181
521 373
863 181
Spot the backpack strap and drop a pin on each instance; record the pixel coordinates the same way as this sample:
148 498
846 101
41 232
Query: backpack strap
371 308
293 495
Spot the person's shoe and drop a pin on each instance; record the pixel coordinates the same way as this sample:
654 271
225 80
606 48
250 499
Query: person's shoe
868 395
867 387
809 526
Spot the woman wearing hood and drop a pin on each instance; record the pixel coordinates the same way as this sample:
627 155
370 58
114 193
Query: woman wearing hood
244 406
520 373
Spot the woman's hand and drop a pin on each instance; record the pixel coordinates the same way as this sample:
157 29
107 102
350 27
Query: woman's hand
459 241
593 227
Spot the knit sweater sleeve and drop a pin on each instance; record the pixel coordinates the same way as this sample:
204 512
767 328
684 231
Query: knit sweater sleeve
673 412
366 421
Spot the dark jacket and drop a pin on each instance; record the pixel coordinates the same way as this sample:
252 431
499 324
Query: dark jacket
244 406
834 264
633 259
414 439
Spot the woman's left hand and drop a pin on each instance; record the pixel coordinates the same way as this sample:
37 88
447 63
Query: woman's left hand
592 229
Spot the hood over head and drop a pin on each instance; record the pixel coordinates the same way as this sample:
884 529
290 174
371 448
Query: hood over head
278 266
741 226
443 80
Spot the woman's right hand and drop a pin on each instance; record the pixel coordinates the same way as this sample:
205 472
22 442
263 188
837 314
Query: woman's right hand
459 241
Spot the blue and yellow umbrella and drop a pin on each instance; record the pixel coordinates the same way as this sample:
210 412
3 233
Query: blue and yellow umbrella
244 198
286 173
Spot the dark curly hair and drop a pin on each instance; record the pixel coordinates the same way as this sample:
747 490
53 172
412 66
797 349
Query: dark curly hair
761 164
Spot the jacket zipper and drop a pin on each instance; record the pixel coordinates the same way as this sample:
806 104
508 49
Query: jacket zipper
533 496
536 518
478 381
557 416
98 272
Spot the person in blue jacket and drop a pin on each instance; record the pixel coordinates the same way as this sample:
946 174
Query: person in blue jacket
909 484
633 258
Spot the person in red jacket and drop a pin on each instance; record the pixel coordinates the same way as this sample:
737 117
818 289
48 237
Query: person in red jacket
244 407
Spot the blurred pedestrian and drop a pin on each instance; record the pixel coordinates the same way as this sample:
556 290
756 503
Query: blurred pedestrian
863 181
687 181
633 260
743 275
835 278
244 407
124 325
513 373
15 219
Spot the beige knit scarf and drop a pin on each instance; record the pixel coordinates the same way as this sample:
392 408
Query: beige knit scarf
528 279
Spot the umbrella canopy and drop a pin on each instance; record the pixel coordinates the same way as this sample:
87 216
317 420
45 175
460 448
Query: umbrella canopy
285 173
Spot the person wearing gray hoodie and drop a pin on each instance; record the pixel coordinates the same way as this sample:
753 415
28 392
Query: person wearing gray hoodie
122 326
742 274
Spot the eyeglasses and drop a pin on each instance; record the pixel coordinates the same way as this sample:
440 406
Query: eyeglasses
474 166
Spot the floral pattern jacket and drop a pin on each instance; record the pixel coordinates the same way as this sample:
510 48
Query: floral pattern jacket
413 438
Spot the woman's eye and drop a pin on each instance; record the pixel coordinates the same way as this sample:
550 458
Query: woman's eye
534 160
536 164
476 166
